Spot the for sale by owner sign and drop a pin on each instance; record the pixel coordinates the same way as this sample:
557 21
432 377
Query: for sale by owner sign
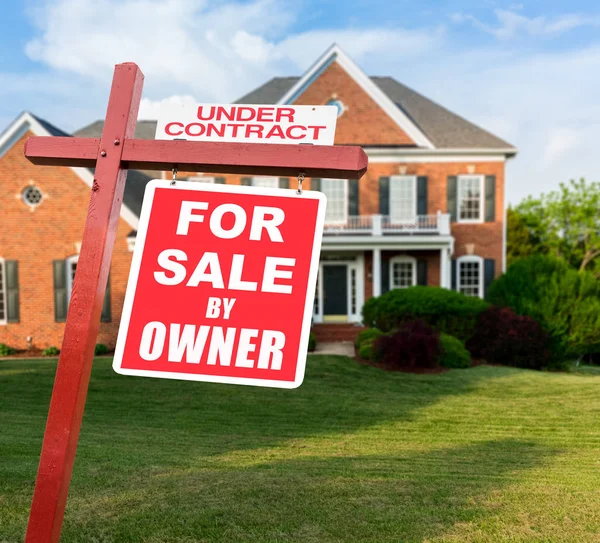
222 284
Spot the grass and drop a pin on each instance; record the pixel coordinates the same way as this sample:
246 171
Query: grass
356 454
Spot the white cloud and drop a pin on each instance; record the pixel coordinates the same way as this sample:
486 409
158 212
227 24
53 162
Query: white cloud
545 104
510 24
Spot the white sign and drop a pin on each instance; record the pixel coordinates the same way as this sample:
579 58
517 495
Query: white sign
248 123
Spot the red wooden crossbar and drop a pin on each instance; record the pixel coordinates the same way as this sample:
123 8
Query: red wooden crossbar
111 156
345 162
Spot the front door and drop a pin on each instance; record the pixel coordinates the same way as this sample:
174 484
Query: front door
335 292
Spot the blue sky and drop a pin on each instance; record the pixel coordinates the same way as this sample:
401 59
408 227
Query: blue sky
528 70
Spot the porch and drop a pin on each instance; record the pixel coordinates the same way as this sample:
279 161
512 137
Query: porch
378 225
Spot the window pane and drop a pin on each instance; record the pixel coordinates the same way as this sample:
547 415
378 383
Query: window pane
403 274
469 278
469 198
337 205
266 182
2 293
402 199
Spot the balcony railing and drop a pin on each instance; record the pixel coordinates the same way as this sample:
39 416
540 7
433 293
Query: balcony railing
378 225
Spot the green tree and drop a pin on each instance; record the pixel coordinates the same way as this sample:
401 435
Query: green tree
523 235
565 224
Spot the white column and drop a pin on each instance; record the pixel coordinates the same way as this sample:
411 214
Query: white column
376 272
444 269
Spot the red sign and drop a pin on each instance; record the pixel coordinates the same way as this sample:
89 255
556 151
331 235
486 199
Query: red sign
222 284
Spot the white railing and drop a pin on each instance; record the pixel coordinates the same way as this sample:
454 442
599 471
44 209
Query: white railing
377 225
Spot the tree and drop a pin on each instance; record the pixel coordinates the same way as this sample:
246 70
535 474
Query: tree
523 237
563 223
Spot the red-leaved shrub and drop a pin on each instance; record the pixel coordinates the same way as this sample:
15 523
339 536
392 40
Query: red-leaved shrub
414 345
503 337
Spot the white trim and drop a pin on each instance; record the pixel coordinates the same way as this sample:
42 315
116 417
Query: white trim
362 243
201 179
396 150
25 122
4 320
399 259
471 258
463 177
335 54
401 157
307 313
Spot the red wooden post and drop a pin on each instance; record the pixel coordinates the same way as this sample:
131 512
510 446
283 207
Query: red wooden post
81 330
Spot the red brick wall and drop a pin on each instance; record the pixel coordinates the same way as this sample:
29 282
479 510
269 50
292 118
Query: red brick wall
363 122
50 232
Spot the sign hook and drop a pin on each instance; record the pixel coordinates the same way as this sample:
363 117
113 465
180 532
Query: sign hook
300 179
174 176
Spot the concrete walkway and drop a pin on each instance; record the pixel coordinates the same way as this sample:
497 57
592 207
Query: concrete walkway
344 348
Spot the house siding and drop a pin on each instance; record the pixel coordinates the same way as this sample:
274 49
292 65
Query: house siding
50 232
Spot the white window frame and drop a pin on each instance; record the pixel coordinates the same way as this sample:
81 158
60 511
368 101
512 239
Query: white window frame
3 291
345 184
201 179
69 262
263 178
398 259
413 178
461 179
470 258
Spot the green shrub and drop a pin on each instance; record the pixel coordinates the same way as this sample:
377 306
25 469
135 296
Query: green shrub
564 301
51 351
365 351
370 334
312 342
5 350
454 353
100 349
446 310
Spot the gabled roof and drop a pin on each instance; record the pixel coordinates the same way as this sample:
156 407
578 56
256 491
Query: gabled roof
429 124
136 181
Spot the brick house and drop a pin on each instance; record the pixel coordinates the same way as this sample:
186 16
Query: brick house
429 211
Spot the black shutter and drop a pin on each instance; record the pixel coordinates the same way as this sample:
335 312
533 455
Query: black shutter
11 268
453 281
247 181
451 200
284 182
61 304
384 195
353 209
489 273
106 314
385 274
422 273
421 195
315 184
490 198
220 180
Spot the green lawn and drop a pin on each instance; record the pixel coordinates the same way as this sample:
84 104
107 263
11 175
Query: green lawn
355 454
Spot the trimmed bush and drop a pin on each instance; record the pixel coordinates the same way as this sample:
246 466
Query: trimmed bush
503 337
370 334
51 351
564 301
414 345
454 353
366 350
445 310
312 342
100 349
5 350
